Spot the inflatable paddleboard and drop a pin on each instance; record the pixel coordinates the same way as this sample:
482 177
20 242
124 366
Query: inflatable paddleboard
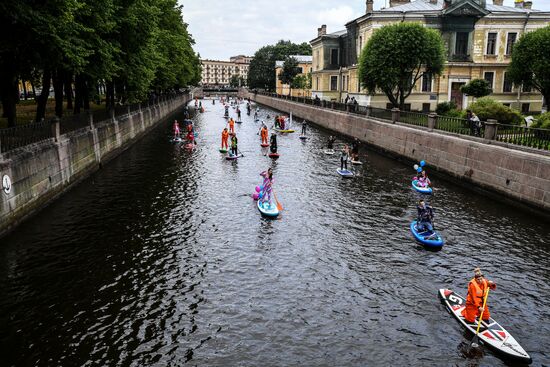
427 238
329 151
273 155
264 145
356 162
176 140
490 333
231 157
238 122
286 131
303 137
222 150
422 189
345 173
268 209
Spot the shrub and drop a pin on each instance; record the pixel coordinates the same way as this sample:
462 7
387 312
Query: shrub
477 88
444 108
543 121
487 108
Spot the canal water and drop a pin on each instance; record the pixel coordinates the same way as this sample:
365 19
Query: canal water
161 258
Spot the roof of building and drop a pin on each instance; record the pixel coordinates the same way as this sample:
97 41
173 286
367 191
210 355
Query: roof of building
302 59
426 6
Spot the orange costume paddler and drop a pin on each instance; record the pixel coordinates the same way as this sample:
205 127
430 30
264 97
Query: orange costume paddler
477 290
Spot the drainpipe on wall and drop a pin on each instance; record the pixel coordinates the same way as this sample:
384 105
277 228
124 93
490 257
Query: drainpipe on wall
524 29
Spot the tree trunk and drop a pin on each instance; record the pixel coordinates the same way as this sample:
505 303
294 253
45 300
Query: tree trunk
58 92
25 94
42 100
110 94
9 92
68 81
77 94
33 90
85 93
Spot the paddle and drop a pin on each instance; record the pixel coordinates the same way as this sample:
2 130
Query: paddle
279 206
474 341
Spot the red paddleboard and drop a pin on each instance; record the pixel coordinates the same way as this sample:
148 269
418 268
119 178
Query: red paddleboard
273 155
264 145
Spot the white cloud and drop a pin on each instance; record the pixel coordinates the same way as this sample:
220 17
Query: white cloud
224 28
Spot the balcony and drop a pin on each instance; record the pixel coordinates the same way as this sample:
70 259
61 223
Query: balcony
460 58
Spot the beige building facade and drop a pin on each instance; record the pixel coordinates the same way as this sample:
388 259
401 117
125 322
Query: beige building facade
304 65
478 36
217 73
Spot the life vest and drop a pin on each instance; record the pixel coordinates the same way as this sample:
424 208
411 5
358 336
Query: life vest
479 291
225 135
231 123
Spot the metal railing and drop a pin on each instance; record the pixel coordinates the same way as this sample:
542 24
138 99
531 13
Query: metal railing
511 134
20 136
413 118
525 136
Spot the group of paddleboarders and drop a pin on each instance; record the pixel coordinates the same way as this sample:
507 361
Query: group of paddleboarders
190 131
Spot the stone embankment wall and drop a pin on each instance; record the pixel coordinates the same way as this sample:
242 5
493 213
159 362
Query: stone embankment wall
41 172
517 173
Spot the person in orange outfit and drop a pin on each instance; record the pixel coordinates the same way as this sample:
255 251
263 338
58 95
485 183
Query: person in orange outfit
477 289
231 125
264 134
225 136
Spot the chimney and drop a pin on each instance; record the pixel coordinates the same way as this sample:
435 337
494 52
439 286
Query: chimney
370 5
498 2
322 31
398 2
518 3
433 2
527 4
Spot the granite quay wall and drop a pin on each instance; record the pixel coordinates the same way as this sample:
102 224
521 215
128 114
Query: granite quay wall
40 172
518 173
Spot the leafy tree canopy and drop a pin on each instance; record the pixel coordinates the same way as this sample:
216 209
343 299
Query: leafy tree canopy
396 56
477 88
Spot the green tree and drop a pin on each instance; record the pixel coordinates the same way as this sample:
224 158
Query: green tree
530 63
396 56
302 81
261 73
289 71
477 88
234 81
487 108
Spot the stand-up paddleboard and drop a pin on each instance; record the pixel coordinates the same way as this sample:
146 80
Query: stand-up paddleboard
264 145
329 151
268 209
223 150
427 238
273 155
286 131
303 137
232 157
176 140
345 173
490 333
422 189
356 162
190 146
238 122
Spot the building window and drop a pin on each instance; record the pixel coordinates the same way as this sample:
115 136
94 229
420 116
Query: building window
490 77
491 43
426 82
360 45
510 41
507 85
334 82
334 56
425 107
461 44
525 108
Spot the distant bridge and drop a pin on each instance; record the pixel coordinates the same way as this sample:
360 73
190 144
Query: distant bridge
208 92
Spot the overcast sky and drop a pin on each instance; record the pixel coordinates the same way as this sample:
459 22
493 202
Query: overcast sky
224 28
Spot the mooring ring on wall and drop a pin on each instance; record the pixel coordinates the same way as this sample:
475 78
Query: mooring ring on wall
6 184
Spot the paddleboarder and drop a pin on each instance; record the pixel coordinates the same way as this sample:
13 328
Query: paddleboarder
477 289
238 114
425 216
225 137
423 180
304 127
226 113
267 185
273 143
344 154
330 142
231 123
355 150
264 134
234 143
176 129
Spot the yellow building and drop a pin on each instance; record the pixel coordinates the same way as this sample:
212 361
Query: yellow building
304 65
478 37
216 73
